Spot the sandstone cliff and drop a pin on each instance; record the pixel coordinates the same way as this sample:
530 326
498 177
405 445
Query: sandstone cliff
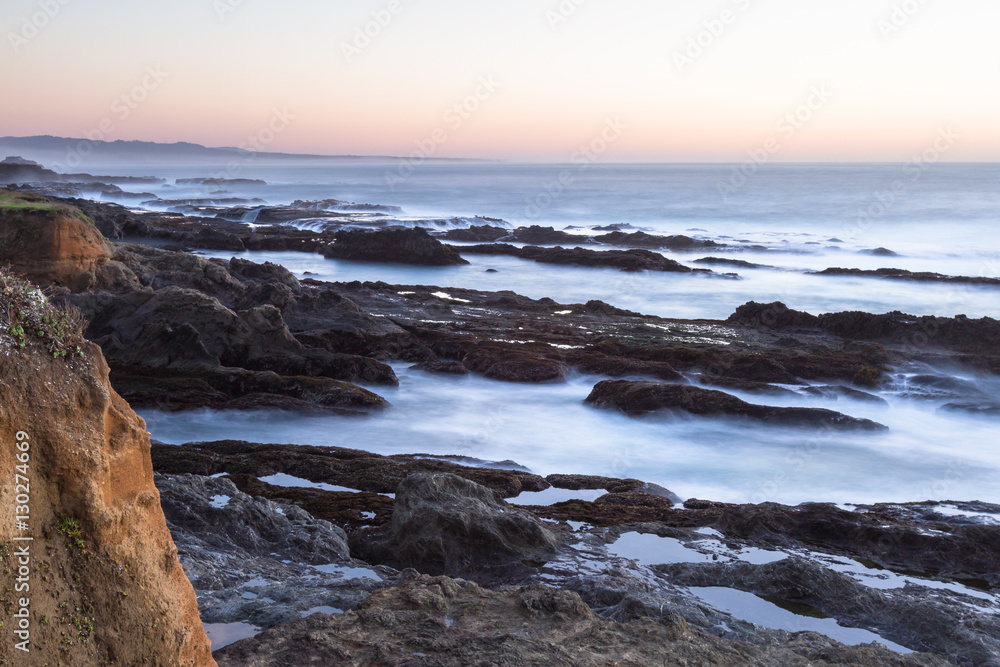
50 243
106 586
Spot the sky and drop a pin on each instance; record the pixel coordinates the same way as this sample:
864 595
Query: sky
635 80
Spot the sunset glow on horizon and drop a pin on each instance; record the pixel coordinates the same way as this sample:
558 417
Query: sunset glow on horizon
856 80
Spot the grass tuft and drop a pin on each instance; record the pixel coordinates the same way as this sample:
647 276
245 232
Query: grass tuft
26 315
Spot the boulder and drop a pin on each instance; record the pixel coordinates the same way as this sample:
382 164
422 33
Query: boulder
443 523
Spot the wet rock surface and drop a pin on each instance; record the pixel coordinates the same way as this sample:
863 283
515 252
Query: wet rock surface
402 246
626 260
354 469
951 628
814 559
258 562
444 621
918 276
444 524
642 398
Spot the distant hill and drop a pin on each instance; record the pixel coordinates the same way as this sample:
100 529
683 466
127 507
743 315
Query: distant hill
56 151
49 149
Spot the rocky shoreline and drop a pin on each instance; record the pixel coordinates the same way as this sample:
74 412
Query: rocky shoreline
333 553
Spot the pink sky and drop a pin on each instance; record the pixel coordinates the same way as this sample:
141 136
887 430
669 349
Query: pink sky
554 77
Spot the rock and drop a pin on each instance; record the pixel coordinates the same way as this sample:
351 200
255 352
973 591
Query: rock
772 316
399 246
880 252
221 517
958 333
899 616
636 259
442 367
350 468
477 234
447 622
50 243
104 569
640 398
839 391
443 523
644 240
881 534
728 261
259 562
916 276
536 235
514 363
236 389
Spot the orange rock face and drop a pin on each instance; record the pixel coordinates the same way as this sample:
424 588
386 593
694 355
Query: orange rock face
105 586
55 246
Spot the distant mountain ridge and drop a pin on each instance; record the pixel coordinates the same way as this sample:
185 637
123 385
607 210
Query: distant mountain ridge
50 149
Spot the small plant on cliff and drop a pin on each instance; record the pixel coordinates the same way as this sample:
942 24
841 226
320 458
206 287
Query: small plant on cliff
72 529
26 313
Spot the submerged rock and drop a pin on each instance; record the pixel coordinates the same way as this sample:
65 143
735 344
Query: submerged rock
639 398
446 524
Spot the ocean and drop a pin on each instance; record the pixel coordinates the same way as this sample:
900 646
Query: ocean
792 219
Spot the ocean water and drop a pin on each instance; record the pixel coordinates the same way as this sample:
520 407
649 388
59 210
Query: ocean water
792 218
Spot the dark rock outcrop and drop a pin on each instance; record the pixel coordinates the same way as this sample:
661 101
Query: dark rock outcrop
398 246
772 316
443 523
640 398
627 260
350 468
453 623
916 276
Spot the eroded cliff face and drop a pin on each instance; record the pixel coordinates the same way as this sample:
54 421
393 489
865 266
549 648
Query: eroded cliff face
51 244
106 587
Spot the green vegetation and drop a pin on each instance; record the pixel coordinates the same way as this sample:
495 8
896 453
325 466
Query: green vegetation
13 200
72 529
18 201
26 314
